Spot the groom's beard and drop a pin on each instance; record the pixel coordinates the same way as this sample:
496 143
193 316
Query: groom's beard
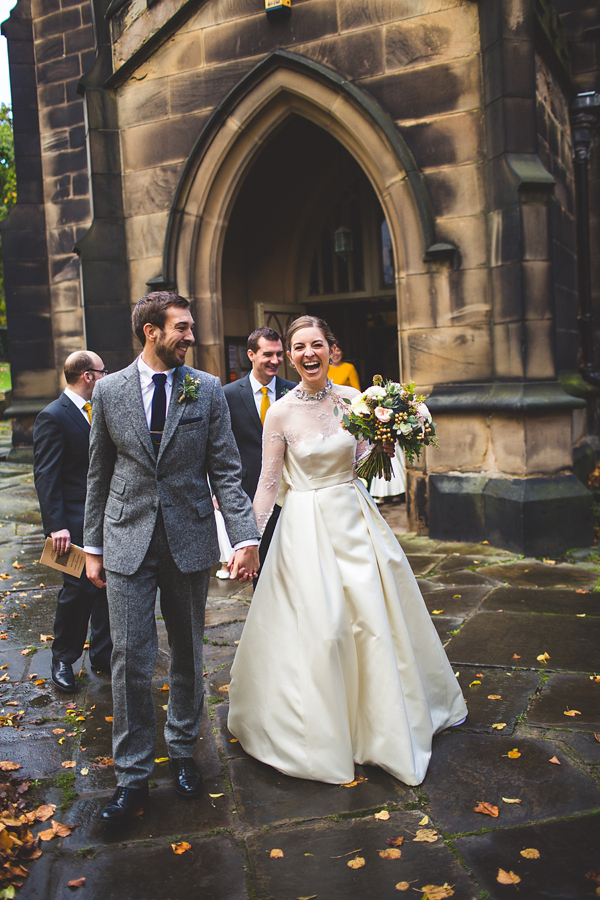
168 355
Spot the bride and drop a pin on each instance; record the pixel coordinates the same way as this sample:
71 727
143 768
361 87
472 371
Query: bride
339 662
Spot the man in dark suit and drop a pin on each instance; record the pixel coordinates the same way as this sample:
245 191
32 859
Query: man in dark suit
61 445
248 399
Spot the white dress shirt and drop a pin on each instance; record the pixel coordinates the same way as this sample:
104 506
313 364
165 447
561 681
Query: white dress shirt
257 388
78 401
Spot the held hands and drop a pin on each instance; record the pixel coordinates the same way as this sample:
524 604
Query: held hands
244 564
61 541
94 569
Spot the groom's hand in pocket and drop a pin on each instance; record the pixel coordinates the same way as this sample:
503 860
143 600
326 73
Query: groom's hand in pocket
244 564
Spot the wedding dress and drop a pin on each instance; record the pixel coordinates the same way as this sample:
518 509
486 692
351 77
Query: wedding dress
339 662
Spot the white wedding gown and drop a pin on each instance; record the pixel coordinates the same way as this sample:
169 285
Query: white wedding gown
339 662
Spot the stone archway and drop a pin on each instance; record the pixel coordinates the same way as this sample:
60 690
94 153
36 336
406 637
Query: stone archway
286 84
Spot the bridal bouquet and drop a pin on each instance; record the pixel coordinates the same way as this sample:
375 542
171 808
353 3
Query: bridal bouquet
389 412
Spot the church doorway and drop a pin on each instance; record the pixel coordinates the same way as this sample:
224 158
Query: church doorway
306 233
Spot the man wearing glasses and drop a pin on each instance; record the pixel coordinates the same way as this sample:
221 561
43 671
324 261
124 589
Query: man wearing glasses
60 446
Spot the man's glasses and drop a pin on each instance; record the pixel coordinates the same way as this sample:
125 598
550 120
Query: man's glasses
99 371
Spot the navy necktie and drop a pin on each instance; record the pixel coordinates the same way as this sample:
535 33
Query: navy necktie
159 410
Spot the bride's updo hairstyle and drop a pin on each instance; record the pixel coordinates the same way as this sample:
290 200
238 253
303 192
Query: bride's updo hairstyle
309 322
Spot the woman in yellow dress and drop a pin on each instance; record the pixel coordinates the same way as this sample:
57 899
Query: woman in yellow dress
340 372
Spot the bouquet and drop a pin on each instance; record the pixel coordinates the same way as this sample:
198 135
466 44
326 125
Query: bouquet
389 412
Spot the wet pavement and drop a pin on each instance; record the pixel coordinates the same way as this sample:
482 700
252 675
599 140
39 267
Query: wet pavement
523 636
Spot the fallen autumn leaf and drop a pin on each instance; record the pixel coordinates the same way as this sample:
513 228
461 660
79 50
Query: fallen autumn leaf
530 853
180 847
390 853
276 853
487 809
507 877
356 863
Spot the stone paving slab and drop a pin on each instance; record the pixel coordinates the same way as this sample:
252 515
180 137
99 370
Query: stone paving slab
266 797
568 853
461 577
556 601
212 870
585 745
500 696
478 550
564 693
481 771
455 603
497 638
417 543
531 573
165 816
446 626
462 561
421 563
315 861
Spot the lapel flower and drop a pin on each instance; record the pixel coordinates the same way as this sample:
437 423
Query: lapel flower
189 389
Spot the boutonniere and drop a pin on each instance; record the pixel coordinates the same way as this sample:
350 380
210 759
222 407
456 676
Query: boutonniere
189 390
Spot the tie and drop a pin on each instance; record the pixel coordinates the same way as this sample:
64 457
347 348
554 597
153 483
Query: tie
88 408
264 404
159 410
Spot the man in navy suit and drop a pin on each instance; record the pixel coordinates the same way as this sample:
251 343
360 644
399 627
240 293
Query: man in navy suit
248 399
61 446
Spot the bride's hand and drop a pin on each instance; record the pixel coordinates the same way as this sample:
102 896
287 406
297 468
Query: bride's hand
244 564
390 448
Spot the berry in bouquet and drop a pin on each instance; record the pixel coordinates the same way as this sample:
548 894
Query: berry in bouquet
388 413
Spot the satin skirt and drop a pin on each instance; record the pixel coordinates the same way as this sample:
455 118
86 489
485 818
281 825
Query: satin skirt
339 662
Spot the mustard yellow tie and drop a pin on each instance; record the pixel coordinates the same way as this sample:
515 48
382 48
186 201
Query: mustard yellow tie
264 404
88 408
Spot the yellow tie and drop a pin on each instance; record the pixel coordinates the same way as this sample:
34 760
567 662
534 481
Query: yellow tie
88 408
264 404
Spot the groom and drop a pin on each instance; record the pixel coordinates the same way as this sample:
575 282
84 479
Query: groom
158 429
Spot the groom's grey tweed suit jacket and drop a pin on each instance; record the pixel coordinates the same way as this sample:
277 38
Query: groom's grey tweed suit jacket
126 482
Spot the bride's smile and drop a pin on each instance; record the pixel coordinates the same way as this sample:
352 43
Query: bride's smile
309 354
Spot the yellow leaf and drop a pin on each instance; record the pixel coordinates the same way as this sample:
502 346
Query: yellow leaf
68 764
276 853
224 688
58 731
436 612
424 820
45 812
359 780
475 682
456 596
215 795
162 759
555 760
494 696
40 682
180 847
426 835
85 771
530 853
233 741
571 712
46 637
499 725
549 562
80 719
16 565
356 863
543 657
513 754
390 853
580 615
6 765
76 883
437 892
165 687
511 800
165 706
507 877
108 718
383 815
402 886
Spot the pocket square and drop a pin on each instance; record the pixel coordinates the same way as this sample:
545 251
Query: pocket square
189 421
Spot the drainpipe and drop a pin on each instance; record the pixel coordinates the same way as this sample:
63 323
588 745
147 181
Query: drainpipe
584 115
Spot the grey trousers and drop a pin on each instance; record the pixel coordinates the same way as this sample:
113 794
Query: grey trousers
131 602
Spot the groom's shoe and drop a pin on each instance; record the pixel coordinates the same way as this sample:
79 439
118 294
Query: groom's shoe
186 777
62 676
124 805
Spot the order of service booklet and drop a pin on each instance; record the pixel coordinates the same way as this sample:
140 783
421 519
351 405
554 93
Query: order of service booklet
72 562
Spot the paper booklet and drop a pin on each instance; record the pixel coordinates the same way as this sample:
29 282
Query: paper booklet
72 562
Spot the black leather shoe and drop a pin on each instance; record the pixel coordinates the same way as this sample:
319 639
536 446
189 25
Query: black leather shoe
186 777
124 805
62 676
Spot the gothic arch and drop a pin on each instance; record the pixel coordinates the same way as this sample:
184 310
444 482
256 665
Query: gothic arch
281 85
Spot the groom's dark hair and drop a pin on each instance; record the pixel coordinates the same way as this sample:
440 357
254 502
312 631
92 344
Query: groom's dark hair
152 309
263 332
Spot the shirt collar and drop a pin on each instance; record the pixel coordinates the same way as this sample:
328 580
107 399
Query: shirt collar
146 373
75 398
256 385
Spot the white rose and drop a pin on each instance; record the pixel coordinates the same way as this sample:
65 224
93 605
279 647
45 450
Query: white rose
359 407
383 414
377 392
405 428
423 412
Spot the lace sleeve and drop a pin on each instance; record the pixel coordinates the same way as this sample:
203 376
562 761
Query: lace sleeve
272 465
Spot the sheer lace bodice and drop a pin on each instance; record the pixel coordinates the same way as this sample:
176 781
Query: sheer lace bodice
298 452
